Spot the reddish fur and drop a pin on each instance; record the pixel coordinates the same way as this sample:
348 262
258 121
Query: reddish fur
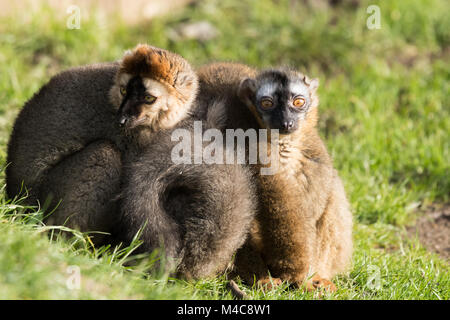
150 62
157 64
168 69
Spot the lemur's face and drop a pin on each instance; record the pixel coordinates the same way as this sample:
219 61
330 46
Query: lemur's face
153 88
280 100
143 101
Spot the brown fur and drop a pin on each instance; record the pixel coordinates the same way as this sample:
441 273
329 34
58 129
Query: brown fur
303 226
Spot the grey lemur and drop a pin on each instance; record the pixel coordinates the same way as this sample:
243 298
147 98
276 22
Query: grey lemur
303 229
71 141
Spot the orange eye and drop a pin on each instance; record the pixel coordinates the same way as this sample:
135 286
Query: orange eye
266 103
298 102
123 91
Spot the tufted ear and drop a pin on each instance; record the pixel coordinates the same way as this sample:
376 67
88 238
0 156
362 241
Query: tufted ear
247 90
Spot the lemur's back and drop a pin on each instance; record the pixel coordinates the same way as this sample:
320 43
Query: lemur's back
220 81
69 112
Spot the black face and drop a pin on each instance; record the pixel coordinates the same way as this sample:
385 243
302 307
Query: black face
135 98
281 102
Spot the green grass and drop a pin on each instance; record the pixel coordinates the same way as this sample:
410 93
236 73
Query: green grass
385 116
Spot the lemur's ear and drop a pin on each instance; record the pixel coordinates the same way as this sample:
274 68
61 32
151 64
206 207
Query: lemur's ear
314 84
247 89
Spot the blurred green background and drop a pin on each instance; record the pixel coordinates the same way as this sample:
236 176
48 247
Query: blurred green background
384 114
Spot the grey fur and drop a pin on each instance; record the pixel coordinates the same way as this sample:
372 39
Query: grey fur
65 145
200 214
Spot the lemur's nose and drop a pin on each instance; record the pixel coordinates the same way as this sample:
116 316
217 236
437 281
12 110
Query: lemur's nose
287 125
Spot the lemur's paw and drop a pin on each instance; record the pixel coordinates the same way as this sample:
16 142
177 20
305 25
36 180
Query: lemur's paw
269 283
318 283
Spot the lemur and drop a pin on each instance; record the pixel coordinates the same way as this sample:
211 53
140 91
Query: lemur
302 232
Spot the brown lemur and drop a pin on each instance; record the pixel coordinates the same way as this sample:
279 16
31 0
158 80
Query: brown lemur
303 227
198 213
